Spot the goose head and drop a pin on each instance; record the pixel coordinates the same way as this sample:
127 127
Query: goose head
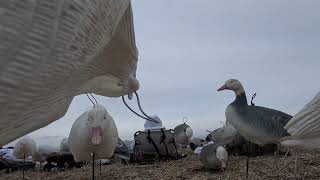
188 132
222 155
98 121
234 85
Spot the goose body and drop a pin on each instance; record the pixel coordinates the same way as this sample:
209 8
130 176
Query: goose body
93 132
259 125
213 156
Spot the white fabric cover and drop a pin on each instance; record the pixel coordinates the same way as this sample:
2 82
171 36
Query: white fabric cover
53 50
307 120
304 127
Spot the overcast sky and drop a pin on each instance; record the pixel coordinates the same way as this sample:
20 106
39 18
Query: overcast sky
189 48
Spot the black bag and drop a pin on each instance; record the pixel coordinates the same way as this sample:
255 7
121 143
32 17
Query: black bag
151 145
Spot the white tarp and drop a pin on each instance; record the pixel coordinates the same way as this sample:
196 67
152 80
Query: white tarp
53 50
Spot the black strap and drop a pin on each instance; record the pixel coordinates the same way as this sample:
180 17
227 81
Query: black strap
163 137
154 144
175 147
174 143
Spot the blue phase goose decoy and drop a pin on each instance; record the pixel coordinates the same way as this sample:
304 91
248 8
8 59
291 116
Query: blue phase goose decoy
256 124
214 156
259 125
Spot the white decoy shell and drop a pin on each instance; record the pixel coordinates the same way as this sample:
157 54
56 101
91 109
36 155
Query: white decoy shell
304 127
307 120
51 51
80 142
303 142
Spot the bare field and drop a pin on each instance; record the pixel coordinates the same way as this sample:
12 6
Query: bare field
266 167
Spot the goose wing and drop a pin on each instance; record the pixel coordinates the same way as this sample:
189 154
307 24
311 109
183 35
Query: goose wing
259 124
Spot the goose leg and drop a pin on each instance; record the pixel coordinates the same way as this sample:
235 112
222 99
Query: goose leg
275 160
285 156
296 166
248 155
24 163
100 167
92 166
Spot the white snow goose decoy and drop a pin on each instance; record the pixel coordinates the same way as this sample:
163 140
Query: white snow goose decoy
26 148
94 132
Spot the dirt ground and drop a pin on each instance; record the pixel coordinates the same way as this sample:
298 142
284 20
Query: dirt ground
265 167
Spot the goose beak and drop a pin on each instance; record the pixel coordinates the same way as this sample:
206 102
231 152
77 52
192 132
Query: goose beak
96 135
223 88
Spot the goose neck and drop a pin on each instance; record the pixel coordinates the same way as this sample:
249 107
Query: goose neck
241 99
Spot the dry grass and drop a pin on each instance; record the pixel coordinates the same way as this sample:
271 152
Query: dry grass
190 168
